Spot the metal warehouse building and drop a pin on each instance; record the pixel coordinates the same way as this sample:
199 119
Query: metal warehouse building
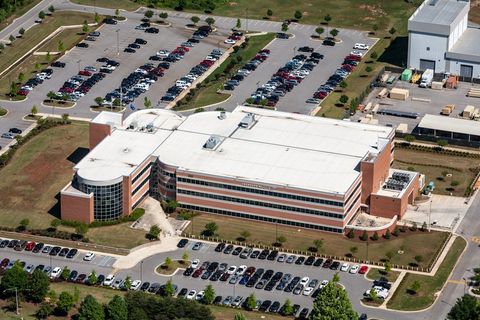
440 39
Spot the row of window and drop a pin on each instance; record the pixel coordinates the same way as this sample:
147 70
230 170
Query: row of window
166 173
107 200
261 218
353 193
260 204
353 203
142 172
261 191
147 178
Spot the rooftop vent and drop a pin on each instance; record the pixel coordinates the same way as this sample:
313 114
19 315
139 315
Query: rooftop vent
222 115
150 127
247 121
212 142
126 150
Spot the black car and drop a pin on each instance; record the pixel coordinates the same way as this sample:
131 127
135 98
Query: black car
154 287
318 262
303 314
110 21
4 243
100 279
40 267
182 243
128 50
154 58
228 249
58 64
218 300
274 307
310 260
263 255
220 247
183 292
206 275
164 65
20 245
193 40
134 46
188 272
237 251
63 252
12 243
305 49
55 251
300 260
140 41
316 55
82 45
282 35
73 276
328 43
72 253
265 305
272 255
151 30
145 286
363 316
335 265
255 254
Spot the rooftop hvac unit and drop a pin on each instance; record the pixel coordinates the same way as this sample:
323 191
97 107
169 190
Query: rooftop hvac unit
394 184
247 121
401 176
150 127
212 142
222 115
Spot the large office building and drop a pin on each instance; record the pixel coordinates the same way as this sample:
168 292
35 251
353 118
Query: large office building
440 39
251 163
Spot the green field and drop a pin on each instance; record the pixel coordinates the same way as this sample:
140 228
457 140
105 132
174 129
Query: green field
69 37
333 244
18 13
111 4
375 273
404 300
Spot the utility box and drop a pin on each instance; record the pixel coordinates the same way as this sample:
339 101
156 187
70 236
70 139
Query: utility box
383 93
437 85
399 94
406 75
402 128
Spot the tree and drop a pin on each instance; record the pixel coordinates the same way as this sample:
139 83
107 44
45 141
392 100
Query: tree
327 18
269 12
353 250
2 46
351 234
147 103
65 117
251 302
210 229
343 99
343 84
375 236
168 262
336 278
209 295
298 15
48 56
409 138
210 21
195 19
373 295
388 267
45 310
390 254
334 32
38 286
245 234
374 55
21 31
61 46
163 15
117 14
65 273
318 244
127 283
96 18
465 308
90 309
51 9
64 304
117 309
148 14
284 27
396 231
364 236
41 15
169 289
154 232
11 38
85 27
99 101
16 277
185 256
13 89
116 102
281 239
319 30
81 229
34 110
287 307
92 278
388 235
414 226
368 69
415 287
332 303
239 24
375 27
418 259
21 77
24 223
392 31
239 316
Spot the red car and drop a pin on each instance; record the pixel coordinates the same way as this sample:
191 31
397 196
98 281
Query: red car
363 269
4 263
30 246
84 73
197 273
22 92
265 51
234 38
183 48
353 57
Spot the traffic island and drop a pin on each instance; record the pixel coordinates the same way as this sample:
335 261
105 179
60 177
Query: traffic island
169 268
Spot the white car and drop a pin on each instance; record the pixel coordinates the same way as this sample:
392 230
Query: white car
90 68
191 294
195 264
163 53
382 293
356 53
109 280
361 46
200 295
345 266
135 285
307 291
109 67
354 268
241 270
232 269
89 256
210 58
323 284
229 41
304 281
55 273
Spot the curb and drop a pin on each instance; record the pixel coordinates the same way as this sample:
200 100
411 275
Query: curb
17 101
6 114
62 108
204 107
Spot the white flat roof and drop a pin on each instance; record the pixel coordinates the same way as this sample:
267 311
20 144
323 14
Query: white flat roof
442 12
450 124
280 148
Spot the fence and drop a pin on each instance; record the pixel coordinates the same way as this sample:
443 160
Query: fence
317 255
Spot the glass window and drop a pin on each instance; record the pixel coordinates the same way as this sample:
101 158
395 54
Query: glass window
107 200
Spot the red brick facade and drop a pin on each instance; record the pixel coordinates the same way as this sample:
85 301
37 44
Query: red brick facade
76 208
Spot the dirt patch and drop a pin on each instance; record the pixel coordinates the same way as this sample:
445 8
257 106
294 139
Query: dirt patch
232 4
374 10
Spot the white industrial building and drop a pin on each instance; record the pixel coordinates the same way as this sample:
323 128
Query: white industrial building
440 39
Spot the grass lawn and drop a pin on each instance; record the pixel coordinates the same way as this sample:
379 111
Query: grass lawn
120 236
117 4
207 95
18 13
176 264
374 274
37 172
403 300
463 169
69 37
333 244
223 313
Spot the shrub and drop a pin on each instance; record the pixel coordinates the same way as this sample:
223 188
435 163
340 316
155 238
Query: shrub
351 234
387 234
375 236
414 227
364 236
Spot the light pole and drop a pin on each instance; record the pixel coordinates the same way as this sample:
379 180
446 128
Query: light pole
246 20
118 42
78 64
16 297
141 271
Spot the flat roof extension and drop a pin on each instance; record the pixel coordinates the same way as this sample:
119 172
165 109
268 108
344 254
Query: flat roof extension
449 124
438 16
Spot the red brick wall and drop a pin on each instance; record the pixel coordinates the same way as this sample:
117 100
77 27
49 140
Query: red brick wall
375 173
380 233
127 196
98 132
76 208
